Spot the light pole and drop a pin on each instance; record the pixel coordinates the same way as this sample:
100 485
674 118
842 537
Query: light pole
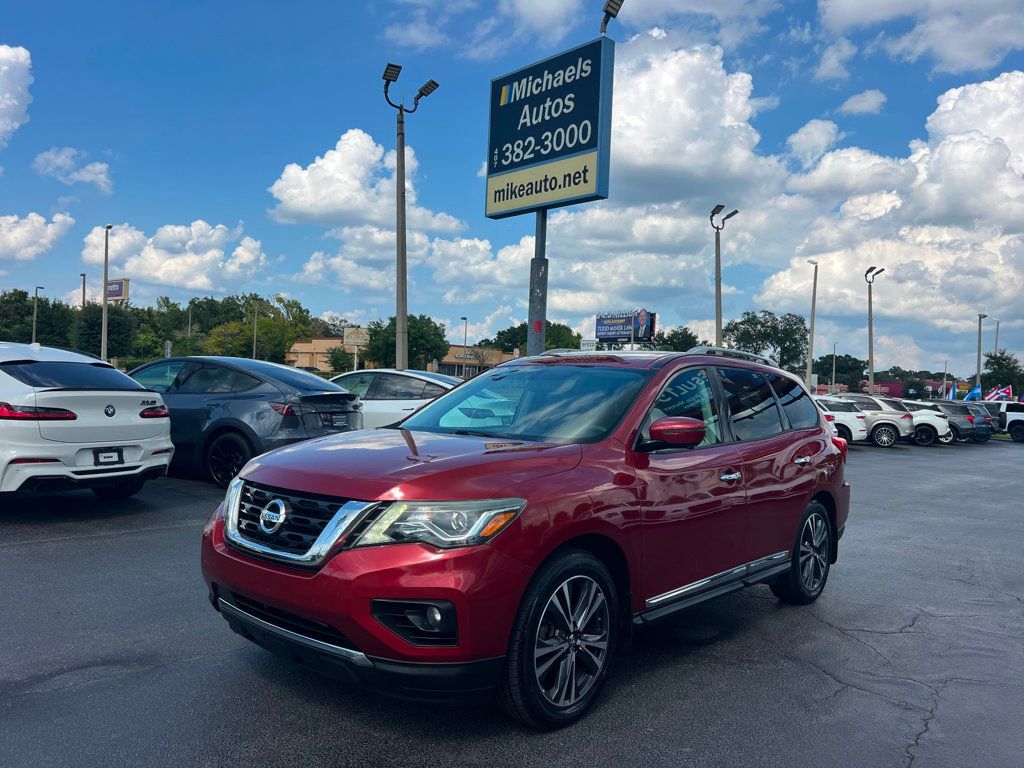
611 10
869 278
35 310
718 267
190 326
391 73
255 314
995 349
945 368
977 378
103 301
832 387
465 343
810 335
83 290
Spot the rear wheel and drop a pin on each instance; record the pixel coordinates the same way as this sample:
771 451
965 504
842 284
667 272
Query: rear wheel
226 456
925 435
811 561
844 432
885 436
949 437
1017 433
120 490
563 641
982 438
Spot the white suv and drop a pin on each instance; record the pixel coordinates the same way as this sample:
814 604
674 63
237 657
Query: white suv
889 421
848 421
72 421
930 424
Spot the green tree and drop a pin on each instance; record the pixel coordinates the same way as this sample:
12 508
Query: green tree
427 341
849 370
557 336
784 339
1002 369
121 328
679 339
233 339
339 359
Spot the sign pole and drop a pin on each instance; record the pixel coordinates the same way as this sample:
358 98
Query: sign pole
536 330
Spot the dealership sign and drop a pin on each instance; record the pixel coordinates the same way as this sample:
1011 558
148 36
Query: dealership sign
550 131
622 327
117 290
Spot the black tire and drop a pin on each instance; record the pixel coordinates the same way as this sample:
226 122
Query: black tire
844 432
1017 433
950 437
225 457
525 691
925 435
885 436
121 490
811 562
982 438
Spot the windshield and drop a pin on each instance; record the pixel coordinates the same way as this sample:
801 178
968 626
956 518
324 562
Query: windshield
544 403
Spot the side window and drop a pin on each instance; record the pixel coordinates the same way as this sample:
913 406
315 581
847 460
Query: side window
161 376
687 394
212 379
433 390
796 402
391 386
357 383
1015 407
751 405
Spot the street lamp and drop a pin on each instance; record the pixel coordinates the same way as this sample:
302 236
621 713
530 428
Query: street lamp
255 314
869 278
103 301
35 310
611 10
832 388
83 290
995 349
465 343
810 335
716 211
391 73
977 378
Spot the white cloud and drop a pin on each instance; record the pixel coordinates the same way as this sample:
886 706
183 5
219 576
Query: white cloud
852 171
812 141
187 256
834 60
22 239
959 36
735 20
15 79
66 165
419 33
353 184
868 102
543 22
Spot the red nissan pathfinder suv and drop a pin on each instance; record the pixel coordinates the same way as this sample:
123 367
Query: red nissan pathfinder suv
505 538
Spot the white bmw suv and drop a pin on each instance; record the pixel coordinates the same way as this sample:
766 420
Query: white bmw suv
71 421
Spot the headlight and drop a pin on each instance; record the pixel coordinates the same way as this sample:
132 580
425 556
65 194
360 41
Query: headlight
441 523
232 498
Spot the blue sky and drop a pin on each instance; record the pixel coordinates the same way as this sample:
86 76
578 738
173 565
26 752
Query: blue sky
196 128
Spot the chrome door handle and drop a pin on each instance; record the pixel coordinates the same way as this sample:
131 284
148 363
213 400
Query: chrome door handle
409 409
730 476
802 460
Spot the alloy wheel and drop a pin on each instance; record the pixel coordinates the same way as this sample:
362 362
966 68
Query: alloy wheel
948 438
924 436
814 554
885 436
571 647
226 460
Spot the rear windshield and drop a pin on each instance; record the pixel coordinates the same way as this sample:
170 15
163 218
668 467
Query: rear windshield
840 407
958 410
896 405
43 374
292 377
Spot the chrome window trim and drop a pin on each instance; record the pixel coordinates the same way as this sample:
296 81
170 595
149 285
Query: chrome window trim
733 574
357 658
346 516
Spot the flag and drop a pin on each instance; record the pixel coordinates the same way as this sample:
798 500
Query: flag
951 395
1000 393
993 394
974 394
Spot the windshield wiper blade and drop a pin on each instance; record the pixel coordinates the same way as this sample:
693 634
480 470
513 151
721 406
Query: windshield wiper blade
474 433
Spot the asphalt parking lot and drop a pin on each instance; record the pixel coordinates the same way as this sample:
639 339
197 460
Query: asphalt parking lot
110 654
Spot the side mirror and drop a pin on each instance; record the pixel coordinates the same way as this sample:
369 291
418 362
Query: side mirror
678 430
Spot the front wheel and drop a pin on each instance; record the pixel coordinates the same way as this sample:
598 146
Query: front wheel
925 435
562 643
226 456
1017 433
811 561
123 489
885 436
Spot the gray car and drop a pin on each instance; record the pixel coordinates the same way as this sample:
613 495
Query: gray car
225 410
961 428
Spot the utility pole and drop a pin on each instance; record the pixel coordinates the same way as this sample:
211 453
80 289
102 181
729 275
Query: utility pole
869 278
190 327
945 368
977 378
995 349
536 329
83 290
718 267
810 335
465 343
832 388
103 301
35 311
255 314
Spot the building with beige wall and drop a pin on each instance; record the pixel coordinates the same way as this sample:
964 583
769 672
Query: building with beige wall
314 353
470 361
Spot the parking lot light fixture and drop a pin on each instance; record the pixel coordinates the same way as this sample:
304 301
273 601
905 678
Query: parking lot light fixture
718 267
832 384
465 343
103 289
35 310
995 348
869 278
810 333
391 73
977 378
611 10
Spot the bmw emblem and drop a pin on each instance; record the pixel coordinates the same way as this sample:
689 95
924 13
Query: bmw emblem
272 516
110 411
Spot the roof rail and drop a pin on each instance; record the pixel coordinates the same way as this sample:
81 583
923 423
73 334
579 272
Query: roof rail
727 352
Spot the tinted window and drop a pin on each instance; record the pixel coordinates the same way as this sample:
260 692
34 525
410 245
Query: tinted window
391 386
213 379
357 383
796 402
1015 407
159 377
839 407
956 410
291 377
688 394
55 375
867 402
552 403
896 405
433 390
751 405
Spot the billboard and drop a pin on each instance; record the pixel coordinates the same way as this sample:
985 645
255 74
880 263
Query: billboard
550 132
117 290
355 336
623 327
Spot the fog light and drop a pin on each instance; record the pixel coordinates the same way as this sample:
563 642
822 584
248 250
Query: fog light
434 616
419 622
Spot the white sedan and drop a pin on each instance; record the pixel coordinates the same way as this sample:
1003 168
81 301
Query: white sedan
70 421
390 395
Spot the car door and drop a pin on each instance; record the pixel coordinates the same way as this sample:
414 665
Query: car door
165 377
206 394
778 463
693 497
391 398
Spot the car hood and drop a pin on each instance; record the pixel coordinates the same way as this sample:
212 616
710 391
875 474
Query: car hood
403 464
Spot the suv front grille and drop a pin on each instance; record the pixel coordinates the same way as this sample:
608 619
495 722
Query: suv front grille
316 630
307 516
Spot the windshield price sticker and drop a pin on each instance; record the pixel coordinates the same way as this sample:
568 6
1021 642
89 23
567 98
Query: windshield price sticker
549 132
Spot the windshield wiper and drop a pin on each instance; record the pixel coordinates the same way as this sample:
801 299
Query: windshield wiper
474 433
